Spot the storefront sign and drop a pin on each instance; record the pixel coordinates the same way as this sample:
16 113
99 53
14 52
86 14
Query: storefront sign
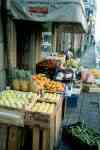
43 10
38 6
38 1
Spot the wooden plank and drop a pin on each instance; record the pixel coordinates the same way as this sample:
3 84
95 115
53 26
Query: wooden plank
15 138
46 137
12 139
3 137
36 135
38 46
52 134
11 46
55 40
94 90
58 120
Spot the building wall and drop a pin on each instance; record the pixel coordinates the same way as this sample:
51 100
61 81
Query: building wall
2 65
90 7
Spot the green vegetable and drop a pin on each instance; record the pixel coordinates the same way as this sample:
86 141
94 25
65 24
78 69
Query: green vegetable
85 134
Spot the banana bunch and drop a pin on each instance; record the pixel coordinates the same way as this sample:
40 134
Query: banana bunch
72 63
43 108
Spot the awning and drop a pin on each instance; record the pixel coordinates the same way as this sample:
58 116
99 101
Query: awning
68 12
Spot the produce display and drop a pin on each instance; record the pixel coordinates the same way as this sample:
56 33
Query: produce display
45 83
18 100
72 63
21 80
86 135
85 87
95 73
87 77
43 108
50 98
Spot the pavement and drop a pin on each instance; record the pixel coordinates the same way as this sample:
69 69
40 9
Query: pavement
87 111
88 106
88 60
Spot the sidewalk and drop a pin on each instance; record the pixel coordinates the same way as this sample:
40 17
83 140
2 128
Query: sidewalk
88 60
87 111
88 108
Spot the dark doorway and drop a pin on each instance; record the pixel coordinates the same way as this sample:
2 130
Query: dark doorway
25 44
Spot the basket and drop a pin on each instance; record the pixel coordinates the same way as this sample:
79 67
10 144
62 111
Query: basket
16 85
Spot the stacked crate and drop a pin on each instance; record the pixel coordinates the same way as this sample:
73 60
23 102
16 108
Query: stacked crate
45 120
3 137
15 137
11 137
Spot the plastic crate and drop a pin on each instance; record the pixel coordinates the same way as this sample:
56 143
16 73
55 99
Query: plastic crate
72 101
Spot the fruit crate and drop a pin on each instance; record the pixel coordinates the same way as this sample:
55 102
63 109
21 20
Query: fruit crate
58 111
50 98
3 137
15 138
43 128
11 137
46 125
74 141
52 91
13 106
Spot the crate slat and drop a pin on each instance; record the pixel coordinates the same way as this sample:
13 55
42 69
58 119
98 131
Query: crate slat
36 135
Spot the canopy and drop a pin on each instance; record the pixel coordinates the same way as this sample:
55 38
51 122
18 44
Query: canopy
58 11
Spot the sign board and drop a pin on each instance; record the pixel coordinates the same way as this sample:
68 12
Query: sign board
37 1
37 6
43 10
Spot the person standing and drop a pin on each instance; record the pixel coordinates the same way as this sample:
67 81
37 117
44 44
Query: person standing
68 54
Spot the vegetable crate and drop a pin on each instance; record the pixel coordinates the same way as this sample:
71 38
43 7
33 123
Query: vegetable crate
80 139
45 121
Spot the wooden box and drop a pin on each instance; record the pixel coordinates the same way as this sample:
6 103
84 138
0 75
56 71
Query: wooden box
45 121
15 138
3 137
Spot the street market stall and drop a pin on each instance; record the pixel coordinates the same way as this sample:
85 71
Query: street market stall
34 102
42 113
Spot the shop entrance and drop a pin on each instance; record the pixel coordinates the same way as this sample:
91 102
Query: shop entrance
25 45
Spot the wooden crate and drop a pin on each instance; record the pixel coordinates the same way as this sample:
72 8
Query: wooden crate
43 138
43 131
58 115
58 121
46 126
3 137
42 123
50 98
15 138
